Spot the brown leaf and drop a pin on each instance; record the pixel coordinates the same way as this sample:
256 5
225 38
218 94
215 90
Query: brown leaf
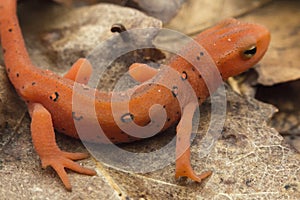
195 15
280 64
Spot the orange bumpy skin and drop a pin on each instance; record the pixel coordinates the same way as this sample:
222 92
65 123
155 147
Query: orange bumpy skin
233 45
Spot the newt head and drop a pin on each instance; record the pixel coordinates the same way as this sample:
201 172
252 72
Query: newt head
235 46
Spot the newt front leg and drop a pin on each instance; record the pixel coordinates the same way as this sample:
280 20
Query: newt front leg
183 152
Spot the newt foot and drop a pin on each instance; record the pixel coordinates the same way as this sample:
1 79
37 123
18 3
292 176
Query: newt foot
187 171
62 160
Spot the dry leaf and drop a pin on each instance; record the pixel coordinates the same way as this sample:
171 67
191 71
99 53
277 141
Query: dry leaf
281 61
195 15
285 97
163 10
71 2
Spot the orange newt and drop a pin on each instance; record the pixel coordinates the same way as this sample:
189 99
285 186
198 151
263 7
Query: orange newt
234 47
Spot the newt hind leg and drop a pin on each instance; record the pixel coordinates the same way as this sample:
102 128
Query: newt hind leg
80 71
183 153
43 137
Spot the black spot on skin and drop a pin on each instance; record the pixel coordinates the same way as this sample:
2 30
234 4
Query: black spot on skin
8 70
200 54
175 91
127 117
164 106
10 30
199 98
221 74
54 96
23 87
193 68
4 51
184 76
200 76
17 74
76 117
169 119
33 83
177 112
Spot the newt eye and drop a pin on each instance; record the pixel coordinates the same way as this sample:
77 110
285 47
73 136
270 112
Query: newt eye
249 53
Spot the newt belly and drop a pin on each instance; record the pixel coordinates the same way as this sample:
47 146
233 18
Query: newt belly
234 47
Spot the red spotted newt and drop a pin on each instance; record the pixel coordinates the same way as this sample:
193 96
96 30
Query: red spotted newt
234 47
